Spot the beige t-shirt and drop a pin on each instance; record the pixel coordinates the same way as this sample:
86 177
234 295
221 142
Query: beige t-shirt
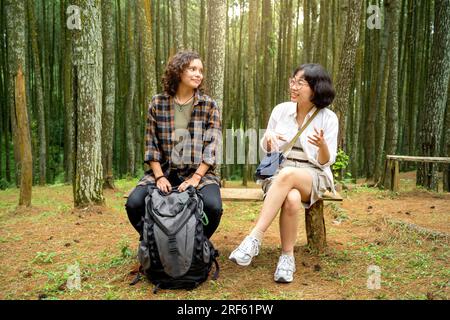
182 115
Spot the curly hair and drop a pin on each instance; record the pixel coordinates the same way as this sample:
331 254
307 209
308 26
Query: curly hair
174 69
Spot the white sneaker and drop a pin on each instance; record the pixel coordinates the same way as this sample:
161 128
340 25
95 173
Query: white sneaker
244 254
285 269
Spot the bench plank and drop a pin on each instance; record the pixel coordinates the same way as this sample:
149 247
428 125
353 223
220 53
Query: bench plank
253 194
419 159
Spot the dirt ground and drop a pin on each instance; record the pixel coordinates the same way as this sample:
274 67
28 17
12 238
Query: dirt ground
403 234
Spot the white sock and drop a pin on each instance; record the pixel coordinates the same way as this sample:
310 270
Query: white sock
258 234
287 253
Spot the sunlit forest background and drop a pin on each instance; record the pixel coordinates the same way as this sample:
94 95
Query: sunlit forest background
88 78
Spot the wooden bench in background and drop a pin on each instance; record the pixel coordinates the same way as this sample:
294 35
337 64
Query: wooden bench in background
314 218
391 176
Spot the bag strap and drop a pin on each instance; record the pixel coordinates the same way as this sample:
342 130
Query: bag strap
289 146
216 273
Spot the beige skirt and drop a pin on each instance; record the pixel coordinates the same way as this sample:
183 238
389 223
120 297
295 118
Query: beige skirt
320 182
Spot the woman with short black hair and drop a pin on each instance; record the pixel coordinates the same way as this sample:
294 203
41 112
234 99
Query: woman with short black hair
182 111
305 175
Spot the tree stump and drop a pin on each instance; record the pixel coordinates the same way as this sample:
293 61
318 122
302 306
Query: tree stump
315 227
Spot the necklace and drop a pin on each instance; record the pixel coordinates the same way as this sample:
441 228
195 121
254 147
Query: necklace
181 105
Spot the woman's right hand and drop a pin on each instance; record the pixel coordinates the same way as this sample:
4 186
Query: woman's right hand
272 140
164 185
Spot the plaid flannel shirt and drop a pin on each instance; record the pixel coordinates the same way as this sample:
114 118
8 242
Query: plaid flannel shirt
199 142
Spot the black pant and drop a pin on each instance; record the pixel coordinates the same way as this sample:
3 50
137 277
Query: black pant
212 205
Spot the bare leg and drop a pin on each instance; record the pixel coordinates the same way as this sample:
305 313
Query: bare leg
289 178
289 221
297 180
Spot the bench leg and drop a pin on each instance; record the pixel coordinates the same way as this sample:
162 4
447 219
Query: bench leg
395 177
391 178
315 227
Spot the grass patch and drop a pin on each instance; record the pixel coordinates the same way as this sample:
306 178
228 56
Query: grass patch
412 265
43 257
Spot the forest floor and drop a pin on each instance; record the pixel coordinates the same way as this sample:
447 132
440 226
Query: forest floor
39 244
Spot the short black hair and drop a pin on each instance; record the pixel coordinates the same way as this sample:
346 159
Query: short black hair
320 83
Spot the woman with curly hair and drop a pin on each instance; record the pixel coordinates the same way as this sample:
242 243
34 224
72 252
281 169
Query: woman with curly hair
182 111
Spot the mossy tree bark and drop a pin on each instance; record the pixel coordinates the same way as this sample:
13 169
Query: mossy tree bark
88 89
435 96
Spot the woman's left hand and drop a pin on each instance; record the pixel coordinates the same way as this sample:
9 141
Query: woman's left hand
317 139
194 181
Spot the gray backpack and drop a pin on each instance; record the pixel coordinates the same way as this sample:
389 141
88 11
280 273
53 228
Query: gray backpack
174 253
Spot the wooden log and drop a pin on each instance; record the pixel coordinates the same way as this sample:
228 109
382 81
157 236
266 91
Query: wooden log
433 234
315 227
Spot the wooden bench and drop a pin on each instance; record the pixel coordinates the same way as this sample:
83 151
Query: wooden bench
391 175
314 218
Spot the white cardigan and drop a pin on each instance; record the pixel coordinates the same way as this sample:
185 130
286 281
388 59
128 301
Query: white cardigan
283 122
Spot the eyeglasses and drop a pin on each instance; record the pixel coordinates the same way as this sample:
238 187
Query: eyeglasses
296 83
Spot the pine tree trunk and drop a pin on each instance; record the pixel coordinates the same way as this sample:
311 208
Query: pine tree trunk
250 84
69 124
281 54
347 66
23 133
202 29
148 55
177 24
306 33
109 90
41 121
4 99
24 138
287 55
446 147
381 96
6 95
354 129
320 45
339 34
217 11
371 76
295 60
435 96
15 27
216 50
313 34
413 73
129 114
392 97
267 60
87 78
158 45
